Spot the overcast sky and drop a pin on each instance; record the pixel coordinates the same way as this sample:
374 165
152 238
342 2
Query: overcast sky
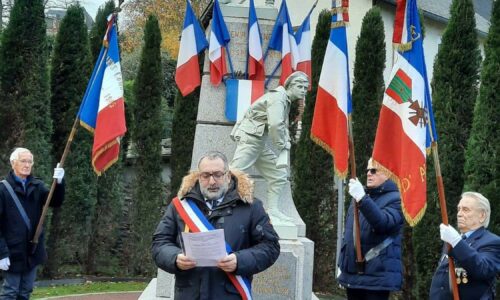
92 5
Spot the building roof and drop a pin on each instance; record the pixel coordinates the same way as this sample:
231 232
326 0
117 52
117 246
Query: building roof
440 12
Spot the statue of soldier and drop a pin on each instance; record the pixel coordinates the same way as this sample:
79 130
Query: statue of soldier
263 139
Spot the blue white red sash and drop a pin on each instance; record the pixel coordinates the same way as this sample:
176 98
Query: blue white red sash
197 222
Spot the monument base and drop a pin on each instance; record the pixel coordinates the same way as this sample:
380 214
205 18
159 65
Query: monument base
290 278
285 230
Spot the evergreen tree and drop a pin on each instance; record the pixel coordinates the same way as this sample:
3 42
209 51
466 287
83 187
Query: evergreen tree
368 87
183 130
482 165
25 107
313 181
70 72
146 135
454 91
99 28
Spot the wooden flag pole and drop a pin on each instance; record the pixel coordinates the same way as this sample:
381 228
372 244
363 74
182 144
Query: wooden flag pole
444 217
360 261
39 227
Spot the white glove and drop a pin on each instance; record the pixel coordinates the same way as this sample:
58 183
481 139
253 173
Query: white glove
449 235
356 189
58 173
4 264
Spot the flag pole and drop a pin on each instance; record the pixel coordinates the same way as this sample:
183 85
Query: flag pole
444 216
340 221
360 261
39 227
74 128
272 74
442 197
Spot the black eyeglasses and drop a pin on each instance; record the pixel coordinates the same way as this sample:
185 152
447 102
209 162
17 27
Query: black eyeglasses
372 171
218 175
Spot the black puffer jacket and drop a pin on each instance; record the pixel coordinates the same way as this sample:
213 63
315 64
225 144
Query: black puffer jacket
247 230
14 234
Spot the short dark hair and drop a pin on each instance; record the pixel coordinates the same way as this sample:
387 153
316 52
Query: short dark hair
211 155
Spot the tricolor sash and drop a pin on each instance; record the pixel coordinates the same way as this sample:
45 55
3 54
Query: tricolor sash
197 222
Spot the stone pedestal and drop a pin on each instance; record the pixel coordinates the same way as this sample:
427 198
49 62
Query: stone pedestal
291 276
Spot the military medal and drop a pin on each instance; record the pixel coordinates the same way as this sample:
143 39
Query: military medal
464 279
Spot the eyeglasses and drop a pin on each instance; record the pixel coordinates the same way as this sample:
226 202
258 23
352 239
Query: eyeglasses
218 175
372 171
26 162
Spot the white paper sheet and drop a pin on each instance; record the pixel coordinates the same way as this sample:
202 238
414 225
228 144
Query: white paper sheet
206 248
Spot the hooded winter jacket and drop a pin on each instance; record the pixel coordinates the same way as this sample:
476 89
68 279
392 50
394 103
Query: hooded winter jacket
247 229
380 217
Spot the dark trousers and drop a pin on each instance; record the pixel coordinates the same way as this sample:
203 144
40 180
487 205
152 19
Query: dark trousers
18 286
359 294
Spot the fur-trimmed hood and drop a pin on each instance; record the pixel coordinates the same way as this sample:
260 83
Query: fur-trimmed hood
244 185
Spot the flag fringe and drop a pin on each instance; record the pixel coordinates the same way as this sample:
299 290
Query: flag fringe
339 10
403 47
338 173
411 220
87 126
98 154
338 24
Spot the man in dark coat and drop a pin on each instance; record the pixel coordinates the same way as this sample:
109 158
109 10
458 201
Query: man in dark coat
17 259
380 221
475 251
225 198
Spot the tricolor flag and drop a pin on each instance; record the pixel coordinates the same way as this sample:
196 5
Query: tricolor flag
283 40
303 39
193 41
255 58
404 133
333 100
240 94
102 110
219 38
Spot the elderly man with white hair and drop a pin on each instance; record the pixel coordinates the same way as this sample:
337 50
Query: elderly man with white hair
475 251
22 198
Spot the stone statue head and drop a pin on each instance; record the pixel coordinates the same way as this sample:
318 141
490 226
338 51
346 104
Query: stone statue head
296 85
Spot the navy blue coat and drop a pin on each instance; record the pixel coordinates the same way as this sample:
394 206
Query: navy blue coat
14 234
247 229
380 217
479 255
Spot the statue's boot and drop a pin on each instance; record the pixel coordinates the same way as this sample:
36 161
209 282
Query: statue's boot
275 214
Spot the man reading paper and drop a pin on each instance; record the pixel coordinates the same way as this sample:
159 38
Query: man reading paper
215 197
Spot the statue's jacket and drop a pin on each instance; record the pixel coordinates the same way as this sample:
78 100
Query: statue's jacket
266 116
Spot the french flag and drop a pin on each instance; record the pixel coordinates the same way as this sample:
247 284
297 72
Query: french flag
102 111
193 41
240 94
303 39
329 127
219 38
255 58
283 39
